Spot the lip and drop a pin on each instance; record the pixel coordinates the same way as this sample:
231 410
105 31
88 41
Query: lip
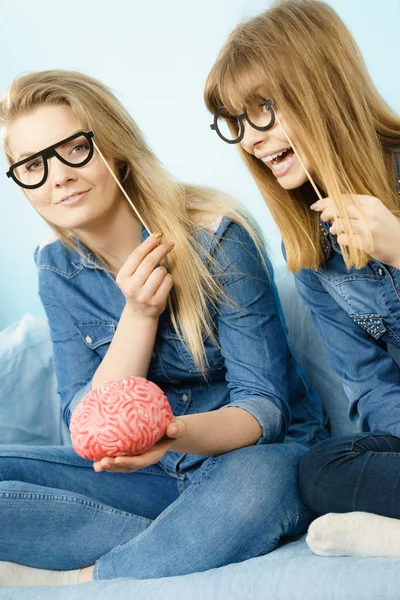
265 154
79 194
282 172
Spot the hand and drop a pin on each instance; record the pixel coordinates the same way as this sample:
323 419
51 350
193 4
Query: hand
128 464
376 232
145 285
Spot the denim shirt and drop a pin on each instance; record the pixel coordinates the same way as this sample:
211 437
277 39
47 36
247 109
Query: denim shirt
252 368
357 313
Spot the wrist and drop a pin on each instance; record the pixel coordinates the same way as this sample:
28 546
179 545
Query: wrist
133 316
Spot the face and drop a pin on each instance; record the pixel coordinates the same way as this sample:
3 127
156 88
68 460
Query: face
71 197
273 148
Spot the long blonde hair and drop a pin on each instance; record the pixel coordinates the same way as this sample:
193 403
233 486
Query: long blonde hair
301 52
165 204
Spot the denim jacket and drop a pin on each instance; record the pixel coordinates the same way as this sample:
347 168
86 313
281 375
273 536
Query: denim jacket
253 367
357 313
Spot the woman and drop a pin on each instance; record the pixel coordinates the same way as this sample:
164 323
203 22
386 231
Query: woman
221 487
291 88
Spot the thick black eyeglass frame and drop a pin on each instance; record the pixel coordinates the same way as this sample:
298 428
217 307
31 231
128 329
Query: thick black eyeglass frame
268 102
48 153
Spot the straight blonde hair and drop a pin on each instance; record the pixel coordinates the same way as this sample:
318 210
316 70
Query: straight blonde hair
300 53
165 204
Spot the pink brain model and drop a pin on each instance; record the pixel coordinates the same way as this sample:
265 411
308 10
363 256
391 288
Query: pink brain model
123 417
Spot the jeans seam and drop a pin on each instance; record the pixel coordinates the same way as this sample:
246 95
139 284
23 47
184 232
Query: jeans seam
10 454
363 437
375 452
87 503
43 459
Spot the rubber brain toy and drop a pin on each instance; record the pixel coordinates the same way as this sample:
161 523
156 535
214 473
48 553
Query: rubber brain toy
123 417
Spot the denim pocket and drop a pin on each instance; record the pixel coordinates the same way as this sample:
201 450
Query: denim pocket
96 333
372 323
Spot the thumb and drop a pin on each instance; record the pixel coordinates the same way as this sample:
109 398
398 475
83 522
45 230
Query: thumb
176 428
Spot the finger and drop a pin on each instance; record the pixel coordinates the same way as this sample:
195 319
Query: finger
149 457
329 214
152 284
354 212
121 470
163 291
138 254
175 429
151 261
344 240
339 226
328 208
320 205
104 463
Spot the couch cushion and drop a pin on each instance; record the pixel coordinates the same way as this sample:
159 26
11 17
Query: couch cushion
292 572
29 405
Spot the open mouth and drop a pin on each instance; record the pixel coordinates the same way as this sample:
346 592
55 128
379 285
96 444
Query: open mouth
279 157
281 161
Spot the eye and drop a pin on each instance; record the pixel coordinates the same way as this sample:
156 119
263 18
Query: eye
34 166
79 148
267 105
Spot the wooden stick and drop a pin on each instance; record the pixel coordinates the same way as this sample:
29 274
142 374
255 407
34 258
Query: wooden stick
301 162
122 189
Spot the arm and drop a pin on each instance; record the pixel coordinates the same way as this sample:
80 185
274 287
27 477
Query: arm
253 343
130 350
146 287
78 367
370 376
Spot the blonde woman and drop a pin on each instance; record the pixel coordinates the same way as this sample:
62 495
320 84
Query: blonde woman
291 89
193 308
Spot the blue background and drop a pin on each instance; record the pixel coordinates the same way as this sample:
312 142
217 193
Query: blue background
155 55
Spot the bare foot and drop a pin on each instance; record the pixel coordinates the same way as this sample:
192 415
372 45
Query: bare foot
85 575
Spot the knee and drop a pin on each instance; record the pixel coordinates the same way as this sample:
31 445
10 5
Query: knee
320 472
262 482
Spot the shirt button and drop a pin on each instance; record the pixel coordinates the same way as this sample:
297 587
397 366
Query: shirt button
185 397
381 271
154 354
88 339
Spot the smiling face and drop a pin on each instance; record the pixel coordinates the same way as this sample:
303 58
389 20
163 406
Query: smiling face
71 197
273 148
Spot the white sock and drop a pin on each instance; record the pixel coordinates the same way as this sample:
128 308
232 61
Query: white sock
355 534
13 574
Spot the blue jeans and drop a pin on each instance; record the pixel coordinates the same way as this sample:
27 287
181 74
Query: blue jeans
57 513
354 473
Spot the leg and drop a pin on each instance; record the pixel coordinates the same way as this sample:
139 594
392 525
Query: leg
237 506
353 474
71 515
146 492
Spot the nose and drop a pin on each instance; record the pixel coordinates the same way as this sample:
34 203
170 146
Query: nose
252 138
60 173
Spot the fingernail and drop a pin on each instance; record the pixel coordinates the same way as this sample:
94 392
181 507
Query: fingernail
171 243
158 235
312 206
